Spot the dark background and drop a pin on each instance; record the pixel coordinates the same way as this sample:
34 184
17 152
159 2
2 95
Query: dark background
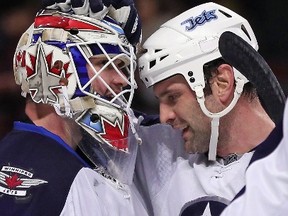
268 19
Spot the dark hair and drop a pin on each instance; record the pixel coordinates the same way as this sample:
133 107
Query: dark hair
211 68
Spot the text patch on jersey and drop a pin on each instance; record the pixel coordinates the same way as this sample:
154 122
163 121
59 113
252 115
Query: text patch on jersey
16 181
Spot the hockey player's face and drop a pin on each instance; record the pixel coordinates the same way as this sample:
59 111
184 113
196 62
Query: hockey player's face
109 75
179 108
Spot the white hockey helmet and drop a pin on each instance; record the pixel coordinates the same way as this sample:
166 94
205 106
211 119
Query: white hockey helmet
188 41
51 58
184 44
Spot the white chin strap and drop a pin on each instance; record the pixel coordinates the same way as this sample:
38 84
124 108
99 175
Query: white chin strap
134 124
63 108
240 82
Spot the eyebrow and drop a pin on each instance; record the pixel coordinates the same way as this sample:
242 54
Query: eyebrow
164 93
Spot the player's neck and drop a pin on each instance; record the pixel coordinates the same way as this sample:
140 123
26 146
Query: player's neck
45 116
247 128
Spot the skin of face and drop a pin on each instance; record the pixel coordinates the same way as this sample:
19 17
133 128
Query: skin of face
109 75
179 108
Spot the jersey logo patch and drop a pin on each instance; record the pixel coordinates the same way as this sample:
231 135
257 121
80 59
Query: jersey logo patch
15 181
204 206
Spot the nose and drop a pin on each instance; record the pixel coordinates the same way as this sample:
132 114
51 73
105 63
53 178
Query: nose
118 82
167 114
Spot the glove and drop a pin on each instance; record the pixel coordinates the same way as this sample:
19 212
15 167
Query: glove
126 14
123 11
63 5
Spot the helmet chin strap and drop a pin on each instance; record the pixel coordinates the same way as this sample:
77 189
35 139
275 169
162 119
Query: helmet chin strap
240 82
63 108
134 124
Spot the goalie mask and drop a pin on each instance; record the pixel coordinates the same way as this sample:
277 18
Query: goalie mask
63 60
184 44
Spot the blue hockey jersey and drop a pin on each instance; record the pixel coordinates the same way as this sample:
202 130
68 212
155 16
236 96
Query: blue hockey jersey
41 175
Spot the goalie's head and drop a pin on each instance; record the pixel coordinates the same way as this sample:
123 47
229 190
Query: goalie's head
187 45
84 67
72 61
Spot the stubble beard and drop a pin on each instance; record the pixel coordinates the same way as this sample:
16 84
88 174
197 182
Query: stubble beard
198 142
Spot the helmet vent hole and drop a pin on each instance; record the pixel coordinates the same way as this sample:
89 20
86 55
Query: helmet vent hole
158 50
225 14
245 31
163 57
152 63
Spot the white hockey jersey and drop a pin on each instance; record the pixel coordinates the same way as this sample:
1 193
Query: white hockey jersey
91 194
179 184
266 191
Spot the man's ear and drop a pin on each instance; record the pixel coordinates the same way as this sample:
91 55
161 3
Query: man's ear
222 84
